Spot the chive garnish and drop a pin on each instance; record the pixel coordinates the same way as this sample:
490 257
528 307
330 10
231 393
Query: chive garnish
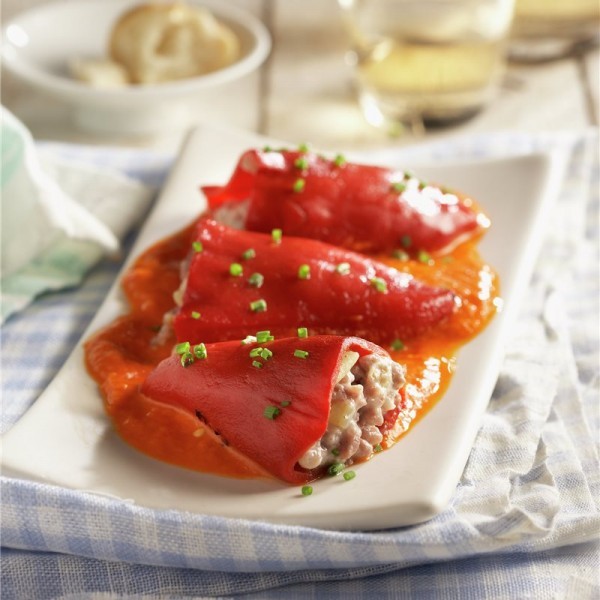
236 270
285 403
271 412
377 448
397 345
407 175
299 185
379 284
248 254
255 352
256 280
197 246
303 147
264 336
400 255
302 332
301 163
307 490
406 241
267 149
348 475
276 235
398 186
200 351
257 364
339 160
195 314
424 257
182 348
300 353
335 468
303 272
422 185
343 268
187 358
265 353
335 452
258 305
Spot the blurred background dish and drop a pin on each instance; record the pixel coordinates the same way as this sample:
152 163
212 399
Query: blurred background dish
41 56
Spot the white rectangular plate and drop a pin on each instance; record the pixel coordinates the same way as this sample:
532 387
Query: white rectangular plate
66 439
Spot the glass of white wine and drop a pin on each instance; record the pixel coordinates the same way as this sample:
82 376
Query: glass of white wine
425 62
545 30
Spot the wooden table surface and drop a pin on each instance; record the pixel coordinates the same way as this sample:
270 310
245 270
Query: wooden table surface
303 92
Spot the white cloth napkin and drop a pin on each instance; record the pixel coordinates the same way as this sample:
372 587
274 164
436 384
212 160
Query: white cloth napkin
59 217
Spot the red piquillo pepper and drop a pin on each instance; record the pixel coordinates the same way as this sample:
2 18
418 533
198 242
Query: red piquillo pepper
240 281
271 407
361 207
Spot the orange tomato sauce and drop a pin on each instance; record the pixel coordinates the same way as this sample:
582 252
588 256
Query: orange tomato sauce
121 356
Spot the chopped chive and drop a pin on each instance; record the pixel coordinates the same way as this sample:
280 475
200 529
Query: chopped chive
256 280
264 336
406 241
303 272
377 448
307 490
257 364
422 185
258 305
248 254
249 339
197 246
397 345
379 284
348 475
276 235
303 147
236 269
195 314
335 468
271 412
299 185
301 163
200 351
343 268
302 332
398 186
424 257
187 358
267 149
400 255
255 352
407 175
266 354
335 452
182 348
300 353
339 160
284 403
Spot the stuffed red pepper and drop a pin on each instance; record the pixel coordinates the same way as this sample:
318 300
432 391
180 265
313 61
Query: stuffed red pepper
297 407
362 207
238 281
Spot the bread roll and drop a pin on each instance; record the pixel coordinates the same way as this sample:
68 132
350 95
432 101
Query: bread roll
164 42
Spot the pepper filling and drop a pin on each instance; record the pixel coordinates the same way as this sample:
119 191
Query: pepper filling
367 389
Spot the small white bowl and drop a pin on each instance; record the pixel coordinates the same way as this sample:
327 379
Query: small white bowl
39 44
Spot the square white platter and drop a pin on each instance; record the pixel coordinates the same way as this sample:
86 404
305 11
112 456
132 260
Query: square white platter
65 438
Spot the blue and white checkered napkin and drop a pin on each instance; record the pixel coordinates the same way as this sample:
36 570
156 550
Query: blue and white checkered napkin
522 522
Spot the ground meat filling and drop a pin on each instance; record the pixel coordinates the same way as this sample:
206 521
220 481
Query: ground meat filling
359 402
232 214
